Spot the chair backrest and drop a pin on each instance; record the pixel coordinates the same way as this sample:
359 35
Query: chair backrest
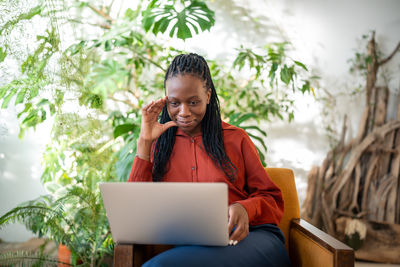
284 179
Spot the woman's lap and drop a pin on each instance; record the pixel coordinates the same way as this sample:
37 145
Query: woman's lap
262 247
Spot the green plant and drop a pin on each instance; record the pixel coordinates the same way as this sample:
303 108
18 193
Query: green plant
72 215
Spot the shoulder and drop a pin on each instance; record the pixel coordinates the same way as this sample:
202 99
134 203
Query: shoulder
236 135
233 131
229 127
237 138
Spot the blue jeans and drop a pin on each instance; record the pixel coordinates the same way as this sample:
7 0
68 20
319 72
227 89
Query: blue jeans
264 246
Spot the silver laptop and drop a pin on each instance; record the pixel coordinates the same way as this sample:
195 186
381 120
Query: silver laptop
167 213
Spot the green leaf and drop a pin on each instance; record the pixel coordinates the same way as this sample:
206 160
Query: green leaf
52 108
33 91
204 24
52 186
272 72
240 60
196 14
20 97
261 141
238 118
244 118
24 16
31 118
76 48
83 4
147 22
42 102
298 63
183 29
107 45
95 101
130 14
3 54
125 158
254 128
305 87
7 99
123 129
3 91
27 108
105 78
291 116
285 75
163 26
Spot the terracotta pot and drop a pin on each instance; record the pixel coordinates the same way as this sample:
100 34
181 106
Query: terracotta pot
64 255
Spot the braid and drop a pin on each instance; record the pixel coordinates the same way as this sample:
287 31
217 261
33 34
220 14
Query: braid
211 125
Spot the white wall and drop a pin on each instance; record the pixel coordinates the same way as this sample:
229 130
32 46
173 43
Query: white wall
20 169
324 34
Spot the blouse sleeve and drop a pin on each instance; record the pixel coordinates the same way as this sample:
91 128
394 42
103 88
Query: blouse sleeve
264 203
141 170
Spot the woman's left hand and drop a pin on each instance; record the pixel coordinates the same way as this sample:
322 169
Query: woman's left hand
238 216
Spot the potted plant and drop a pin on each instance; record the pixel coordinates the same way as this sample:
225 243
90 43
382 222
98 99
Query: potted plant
74 217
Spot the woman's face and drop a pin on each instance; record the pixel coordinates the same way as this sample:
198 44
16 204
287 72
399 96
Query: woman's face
187 99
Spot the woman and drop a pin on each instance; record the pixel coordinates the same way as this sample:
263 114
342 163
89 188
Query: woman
192 144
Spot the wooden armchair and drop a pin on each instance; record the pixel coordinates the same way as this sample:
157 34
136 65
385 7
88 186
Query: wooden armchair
307 245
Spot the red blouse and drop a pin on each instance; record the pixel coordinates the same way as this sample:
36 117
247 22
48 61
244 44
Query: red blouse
252 187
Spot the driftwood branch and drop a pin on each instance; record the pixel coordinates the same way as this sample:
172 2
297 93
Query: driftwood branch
391 55
101 13
360 179
103 26
127 102
356 153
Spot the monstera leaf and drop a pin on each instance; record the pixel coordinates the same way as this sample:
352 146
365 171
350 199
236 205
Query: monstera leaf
194 14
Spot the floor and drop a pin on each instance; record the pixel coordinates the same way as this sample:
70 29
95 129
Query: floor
31 245
51 249
367 264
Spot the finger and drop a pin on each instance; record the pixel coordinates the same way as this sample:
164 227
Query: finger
231 224
157 106
237 233
242 228
146 108
240 232
168 125
243 235
233 219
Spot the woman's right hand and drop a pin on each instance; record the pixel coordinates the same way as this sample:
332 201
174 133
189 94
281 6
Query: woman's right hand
151 129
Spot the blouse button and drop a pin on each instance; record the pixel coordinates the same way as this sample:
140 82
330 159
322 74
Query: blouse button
192 140
193 168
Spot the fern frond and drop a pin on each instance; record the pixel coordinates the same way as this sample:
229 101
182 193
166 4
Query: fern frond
86 196
40 220
23 212
26 258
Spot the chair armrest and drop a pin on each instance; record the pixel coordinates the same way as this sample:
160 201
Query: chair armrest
134 255
123 255
311 247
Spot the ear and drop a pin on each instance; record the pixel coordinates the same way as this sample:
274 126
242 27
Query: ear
208 95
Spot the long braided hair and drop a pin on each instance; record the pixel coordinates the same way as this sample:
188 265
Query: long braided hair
211 125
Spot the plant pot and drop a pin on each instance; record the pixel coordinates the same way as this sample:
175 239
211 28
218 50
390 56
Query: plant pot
64 255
